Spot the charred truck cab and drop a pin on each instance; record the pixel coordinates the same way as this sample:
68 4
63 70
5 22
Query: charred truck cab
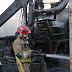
49 34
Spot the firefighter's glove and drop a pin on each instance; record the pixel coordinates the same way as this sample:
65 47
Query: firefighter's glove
19 55
29 55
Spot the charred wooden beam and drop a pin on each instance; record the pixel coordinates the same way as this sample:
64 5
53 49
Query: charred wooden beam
9 12
12 9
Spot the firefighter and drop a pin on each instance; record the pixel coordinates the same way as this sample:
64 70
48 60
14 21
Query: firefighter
21 48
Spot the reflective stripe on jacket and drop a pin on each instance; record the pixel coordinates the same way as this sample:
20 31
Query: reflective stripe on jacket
25 56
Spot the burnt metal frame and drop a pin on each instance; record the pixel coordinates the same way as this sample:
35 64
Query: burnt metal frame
18 4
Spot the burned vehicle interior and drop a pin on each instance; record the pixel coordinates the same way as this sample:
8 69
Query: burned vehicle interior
49 35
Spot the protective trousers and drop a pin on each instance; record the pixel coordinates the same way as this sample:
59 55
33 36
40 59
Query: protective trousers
25 66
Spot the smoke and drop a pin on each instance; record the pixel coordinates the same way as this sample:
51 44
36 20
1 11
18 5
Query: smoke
11 26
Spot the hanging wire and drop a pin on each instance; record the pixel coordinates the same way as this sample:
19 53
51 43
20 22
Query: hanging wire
21 18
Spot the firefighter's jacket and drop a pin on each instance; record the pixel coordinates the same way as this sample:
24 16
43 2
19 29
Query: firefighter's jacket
20 47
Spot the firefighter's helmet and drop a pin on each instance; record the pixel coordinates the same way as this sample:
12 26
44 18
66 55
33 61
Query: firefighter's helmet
23 29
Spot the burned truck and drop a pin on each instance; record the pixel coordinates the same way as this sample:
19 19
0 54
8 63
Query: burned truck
49 30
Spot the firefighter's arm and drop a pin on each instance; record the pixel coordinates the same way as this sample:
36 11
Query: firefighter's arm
17 49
